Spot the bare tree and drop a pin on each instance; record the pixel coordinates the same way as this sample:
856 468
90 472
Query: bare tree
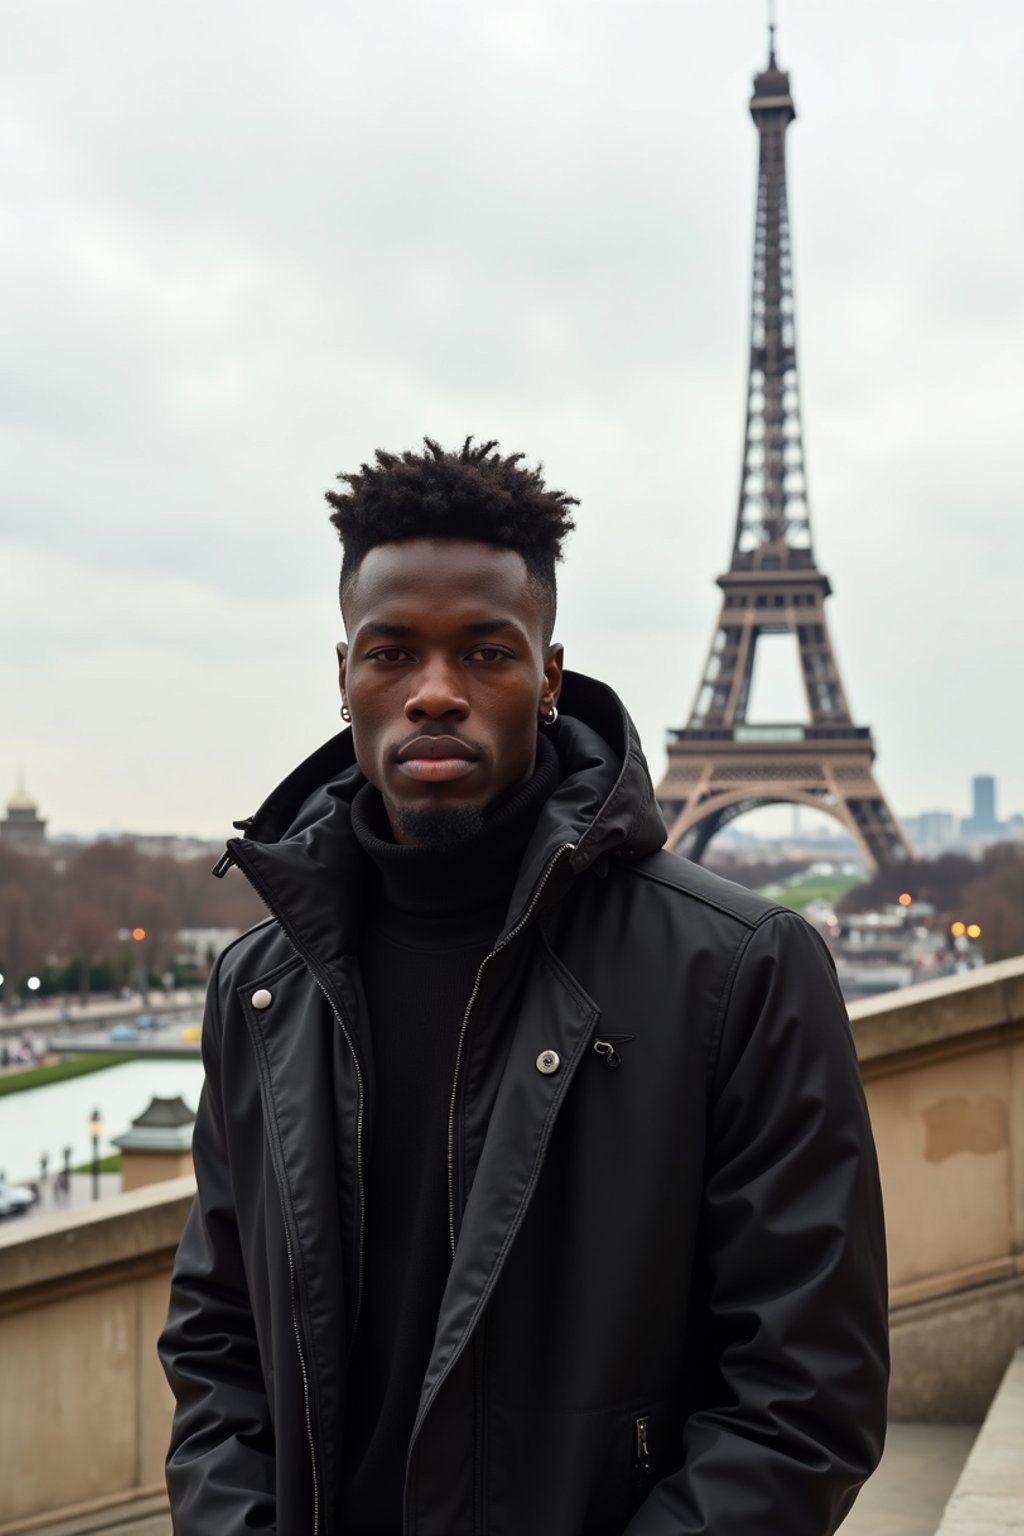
88 937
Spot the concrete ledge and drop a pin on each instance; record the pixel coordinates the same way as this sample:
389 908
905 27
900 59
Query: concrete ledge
144 1223
129 1516
85 1409
936 1013
989 1498
955 1281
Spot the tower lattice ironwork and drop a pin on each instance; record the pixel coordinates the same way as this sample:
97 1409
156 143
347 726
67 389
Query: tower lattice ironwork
720 764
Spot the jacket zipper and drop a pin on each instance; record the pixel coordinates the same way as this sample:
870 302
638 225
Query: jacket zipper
300 951
302 1367
297 1329
606 1048
503 944
642 1452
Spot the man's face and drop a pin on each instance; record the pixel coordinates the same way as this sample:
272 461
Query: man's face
446 674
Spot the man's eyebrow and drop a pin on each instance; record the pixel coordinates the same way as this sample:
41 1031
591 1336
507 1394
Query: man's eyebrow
490 626
381 631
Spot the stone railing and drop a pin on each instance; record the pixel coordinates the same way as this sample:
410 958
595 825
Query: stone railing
943 1068
85 1411
84 1408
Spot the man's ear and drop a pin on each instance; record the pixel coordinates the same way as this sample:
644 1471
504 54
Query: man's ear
342 650
553 663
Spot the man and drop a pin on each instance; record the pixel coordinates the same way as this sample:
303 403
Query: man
536 1191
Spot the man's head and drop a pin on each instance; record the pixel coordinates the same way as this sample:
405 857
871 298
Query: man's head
448 594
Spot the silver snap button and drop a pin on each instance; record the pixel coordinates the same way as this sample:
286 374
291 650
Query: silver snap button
548 1062
262 999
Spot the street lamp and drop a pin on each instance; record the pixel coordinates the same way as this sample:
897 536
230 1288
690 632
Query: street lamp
96 1131
139 935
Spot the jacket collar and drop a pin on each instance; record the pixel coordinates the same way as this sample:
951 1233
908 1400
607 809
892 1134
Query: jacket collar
300 852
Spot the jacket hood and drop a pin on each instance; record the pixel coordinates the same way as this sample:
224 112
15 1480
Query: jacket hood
299 847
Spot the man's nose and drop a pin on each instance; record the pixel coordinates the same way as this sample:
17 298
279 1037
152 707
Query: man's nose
438 690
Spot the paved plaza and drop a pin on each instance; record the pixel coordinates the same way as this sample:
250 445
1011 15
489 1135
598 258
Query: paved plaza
78 1194
918 1473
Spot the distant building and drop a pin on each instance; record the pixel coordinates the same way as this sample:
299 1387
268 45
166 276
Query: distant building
932 832
22 828
158 1145
201 946
982 821
167 845
984 792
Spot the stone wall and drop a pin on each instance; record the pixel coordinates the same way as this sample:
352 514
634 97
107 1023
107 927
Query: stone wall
84 1408
943 1068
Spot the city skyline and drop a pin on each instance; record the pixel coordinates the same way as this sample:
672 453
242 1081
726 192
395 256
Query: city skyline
1009 820
222 307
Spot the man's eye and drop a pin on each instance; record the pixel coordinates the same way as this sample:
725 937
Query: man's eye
490 653
388 654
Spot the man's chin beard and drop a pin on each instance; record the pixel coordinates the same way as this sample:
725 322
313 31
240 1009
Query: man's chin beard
445 830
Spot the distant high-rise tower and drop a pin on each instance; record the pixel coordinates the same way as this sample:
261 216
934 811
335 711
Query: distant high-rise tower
983 821
720 763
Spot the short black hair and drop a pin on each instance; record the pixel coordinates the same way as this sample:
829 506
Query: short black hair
471 493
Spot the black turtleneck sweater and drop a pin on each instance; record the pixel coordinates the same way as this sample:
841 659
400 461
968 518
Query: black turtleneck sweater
432 917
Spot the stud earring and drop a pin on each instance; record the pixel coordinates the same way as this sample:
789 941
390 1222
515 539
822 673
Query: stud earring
550 717
346 713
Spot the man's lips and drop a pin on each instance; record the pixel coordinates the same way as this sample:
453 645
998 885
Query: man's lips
436 759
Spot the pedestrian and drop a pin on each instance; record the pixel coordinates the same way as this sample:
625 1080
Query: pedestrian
536 1189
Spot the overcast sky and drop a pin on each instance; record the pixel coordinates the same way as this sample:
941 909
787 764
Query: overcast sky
241 246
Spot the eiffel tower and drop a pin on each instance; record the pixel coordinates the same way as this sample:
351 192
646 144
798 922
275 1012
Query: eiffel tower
720 764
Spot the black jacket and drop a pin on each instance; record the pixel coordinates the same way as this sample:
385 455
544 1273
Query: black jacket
666 1313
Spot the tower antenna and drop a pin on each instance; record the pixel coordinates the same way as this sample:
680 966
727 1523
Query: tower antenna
771 34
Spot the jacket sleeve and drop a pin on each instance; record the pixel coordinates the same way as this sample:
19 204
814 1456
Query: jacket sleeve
793 1317
221 1465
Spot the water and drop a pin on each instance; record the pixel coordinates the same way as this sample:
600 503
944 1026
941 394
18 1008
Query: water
57 1115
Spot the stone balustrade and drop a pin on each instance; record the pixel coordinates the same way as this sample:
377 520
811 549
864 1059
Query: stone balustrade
943 1069
84 1409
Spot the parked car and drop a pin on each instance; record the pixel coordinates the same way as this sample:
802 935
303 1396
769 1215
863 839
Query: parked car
147 1021
191 1032
14 1200
124 1032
